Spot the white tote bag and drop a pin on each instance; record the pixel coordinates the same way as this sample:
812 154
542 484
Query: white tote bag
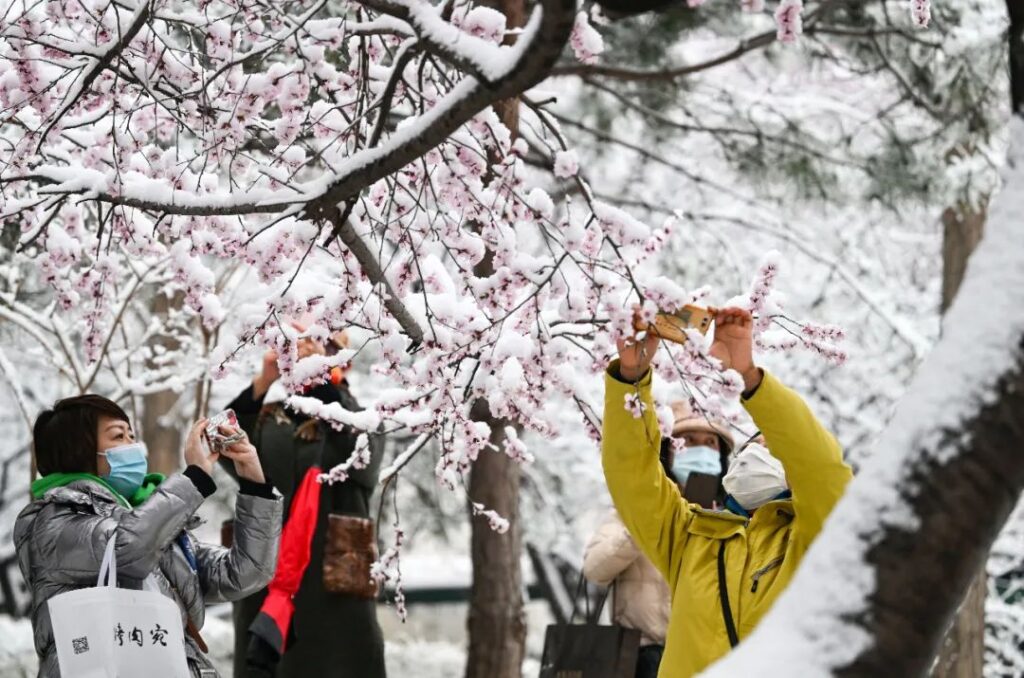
107 632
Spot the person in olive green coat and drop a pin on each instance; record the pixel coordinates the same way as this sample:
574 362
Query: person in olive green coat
332 634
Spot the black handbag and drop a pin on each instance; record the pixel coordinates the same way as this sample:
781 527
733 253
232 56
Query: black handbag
589 650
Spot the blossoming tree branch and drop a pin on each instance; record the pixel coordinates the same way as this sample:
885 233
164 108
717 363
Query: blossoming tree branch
348 154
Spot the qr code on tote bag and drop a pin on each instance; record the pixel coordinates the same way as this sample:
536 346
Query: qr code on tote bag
80 645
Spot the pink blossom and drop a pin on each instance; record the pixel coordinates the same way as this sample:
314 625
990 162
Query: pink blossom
267 116
567 164
586 42
635 406
388 568
494 520
921 12
514 447
485 23
789 19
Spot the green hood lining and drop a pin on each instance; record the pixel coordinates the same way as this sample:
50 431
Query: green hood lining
48 482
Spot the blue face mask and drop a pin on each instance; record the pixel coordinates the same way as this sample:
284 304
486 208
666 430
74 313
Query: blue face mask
696 459
128 467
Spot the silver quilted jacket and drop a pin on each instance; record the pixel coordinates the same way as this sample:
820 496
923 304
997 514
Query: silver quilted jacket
61 537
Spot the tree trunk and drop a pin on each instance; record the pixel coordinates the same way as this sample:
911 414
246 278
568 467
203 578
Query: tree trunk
962 231
1016 37
497 620
617 9
162 438
163 442
962 653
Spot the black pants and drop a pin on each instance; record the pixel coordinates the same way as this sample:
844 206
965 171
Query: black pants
648 661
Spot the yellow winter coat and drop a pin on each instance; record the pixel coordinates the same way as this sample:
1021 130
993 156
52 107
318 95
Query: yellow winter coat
683 540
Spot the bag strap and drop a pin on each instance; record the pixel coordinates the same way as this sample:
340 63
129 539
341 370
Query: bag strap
581 591
602 600
108 567
576 600
723 592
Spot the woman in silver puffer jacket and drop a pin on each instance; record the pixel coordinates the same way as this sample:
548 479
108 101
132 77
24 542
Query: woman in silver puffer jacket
94 486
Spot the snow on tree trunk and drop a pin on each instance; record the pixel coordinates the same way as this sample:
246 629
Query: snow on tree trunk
882 581
962 652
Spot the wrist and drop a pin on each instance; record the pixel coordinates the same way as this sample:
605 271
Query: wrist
260 386
752 378
200 461
253 474
628 376
631 374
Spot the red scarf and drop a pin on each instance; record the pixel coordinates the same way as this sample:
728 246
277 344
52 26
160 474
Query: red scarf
275 617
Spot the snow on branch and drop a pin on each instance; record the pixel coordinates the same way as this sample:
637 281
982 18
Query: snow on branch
263 163
334 414
320 161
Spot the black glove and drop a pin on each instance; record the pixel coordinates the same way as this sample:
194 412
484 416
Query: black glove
261 658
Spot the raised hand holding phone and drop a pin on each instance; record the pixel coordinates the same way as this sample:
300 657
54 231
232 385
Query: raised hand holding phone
243 453
224 436
197 452
635 356
734 344
672 326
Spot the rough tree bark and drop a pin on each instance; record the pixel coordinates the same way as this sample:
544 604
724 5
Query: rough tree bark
922 575
497 621
962 654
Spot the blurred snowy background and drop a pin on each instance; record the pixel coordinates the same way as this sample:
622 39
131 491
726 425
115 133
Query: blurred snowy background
845 153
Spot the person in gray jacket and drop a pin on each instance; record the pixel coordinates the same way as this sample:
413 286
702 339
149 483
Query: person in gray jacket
94 487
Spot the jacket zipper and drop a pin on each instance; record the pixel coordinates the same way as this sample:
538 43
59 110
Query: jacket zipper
765 570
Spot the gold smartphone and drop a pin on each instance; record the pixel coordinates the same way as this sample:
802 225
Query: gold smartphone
673 326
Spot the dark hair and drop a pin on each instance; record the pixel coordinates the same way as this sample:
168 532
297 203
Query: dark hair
665 457
65 438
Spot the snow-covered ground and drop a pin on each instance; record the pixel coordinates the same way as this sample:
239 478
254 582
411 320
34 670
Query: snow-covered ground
434 654
430 644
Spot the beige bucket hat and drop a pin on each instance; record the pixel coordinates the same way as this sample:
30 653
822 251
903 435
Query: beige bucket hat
689 421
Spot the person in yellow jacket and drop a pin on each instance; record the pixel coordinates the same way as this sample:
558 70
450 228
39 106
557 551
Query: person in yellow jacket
640 597
777 505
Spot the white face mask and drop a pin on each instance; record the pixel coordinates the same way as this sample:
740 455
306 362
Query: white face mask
755 477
